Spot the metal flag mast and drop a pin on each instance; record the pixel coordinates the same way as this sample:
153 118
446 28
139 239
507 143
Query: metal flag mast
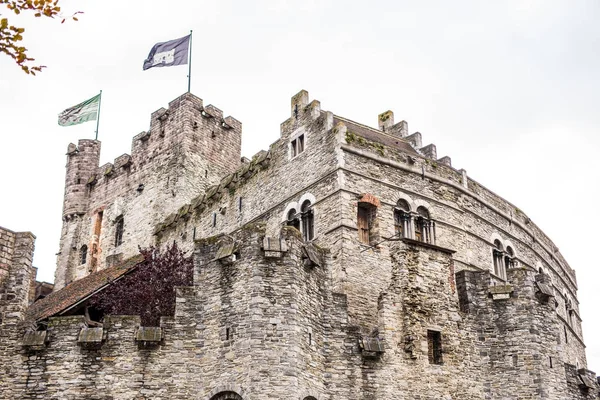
190 64
98 116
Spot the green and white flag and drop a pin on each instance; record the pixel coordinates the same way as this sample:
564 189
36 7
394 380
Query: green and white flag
82 112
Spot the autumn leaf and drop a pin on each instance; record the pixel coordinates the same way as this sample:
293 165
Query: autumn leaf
10 36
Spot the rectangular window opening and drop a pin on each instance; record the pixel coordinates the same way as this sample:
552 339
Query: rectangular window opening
297 146
227 334
367 224
434 347
120 223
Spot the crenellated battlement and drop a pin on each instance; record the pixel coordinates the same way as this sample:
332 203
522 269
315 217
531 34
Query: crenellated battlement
187 148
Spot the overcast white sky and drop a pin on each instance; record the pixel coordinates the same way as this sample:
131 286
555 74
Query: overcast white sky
508 89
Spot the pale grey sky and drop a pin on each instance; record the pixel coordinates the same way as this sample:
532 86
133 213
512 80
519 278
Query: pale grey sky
508 89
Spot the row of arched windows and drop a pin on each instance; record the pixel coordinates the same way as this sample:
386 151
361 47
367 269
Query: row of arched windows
302 219
418 226
503 259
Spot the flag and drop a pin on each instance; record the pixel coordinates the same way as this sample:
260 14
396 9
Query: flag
168 54
82 112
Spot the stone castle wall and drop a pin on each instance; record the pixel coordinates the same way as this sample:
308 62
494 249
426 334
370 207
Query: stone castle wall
184 182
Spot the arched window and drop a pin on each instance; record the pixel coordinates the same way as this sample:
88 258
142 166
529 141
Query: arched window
308 221
83 254
509 258
568 309
120 224
292 219
226 396
402 219
310 398
424 226
498 255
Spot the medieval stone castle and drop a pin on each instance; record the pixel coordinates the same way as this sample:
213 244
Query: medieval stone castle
346 262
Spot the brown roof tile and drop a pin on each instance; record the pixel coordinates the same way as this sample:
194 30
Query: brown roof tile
77 290
375 135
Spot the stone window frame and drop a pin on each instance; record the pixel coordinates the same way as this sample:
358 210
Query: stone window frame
307 219
413 215
83 252
297 143
435 348
402 219
504 256
424 225
119 230
297 219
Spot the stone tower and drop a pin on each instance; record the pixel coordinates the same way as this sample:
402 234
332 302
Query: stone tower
111 209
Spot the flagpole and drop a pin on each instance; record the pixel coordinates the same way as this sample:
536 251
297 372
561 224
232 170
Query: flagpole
190 64
98 117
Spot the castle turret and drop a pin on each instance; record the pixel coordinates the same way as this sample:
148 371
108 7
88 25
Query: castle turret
82 164
112 209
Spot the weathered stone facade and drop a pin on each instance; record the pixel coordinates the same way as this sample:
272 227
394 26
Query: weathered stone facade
345 262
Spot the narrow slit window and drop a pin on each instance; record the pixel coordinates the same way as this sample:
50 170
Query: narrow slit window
363 224
83 254
119 226
434 347
214 219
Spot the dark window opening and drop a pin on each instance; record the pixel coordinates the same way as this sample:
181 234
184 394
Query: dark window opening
551 363
566 337
120 224
292 219
309 339
227 334
83 254
434 347
240 204
194 234
214 219
402 219
308 221
509 261
297 145
424 226
498 256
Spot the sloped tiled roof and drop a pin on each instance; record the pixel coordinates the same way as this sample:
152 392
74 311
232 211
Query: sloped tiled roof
375 135
77 290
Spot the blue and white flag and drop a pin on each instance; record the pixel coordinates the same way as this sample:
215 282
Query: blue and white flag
168 54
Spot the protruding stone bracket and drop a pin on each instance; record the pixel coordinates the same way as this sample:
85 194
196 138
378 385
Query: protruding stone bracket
226 253
371 347
274 247
147 336
501 292
586 383
545 291
312 256
35 339
91 337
